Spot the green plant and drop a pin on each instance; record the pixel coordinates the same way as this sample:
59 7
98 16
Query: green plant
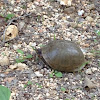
4 54
54 37
67 99
28 83
24 6
95 52
9 16
97 32
63 89
56 73
4 93
95 41
51 75
82 66
22 57
38 85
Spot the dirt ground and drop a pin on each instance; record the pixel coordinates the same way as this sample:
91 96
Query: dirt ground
39 21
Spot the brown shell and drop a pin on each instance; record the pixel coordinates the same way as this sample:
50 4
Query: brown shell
63 55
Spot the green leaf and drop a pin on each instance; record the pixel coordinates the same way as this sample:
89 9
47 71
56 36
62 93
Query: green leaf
9 16
58 74
20 51
4 93
29 83
95 51
51 74
25 85
95 41
24 6
3 54
98 32
67 99
63 89
38 85
20 60
54 37
28 56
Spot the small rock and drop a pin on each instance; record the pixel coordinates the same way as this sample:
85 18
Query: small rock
91 6
90 19
33 44
80 12
94 69
18 66
69 10
2 75
11 1
21 66
15 47
13 66
47 94
38 74
89 84
73 24
21 24
65 2
88 71
17 9
4 61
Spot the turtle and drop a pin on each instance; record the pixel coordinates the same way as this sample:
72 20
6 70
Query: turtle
62 55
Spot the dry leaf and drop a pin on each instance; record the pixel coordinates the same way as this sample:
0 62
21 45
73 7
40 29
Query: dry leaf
11 32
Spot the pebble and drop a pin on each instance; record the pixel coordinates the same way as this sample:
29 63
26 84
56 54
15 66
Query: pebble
88 71
13 66
69 10
47 94
94 69
90 19
80 12
33 44
15 47
4 61
61 29
73 24
17 9
38 73
19 66
88 83
2 75
21 25
91 6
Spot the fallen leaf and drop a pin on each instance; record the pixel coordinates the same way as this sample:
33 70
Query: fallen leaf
11 32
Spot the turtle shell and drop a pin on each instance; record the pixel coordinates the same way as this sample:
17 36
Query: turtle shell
63 55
